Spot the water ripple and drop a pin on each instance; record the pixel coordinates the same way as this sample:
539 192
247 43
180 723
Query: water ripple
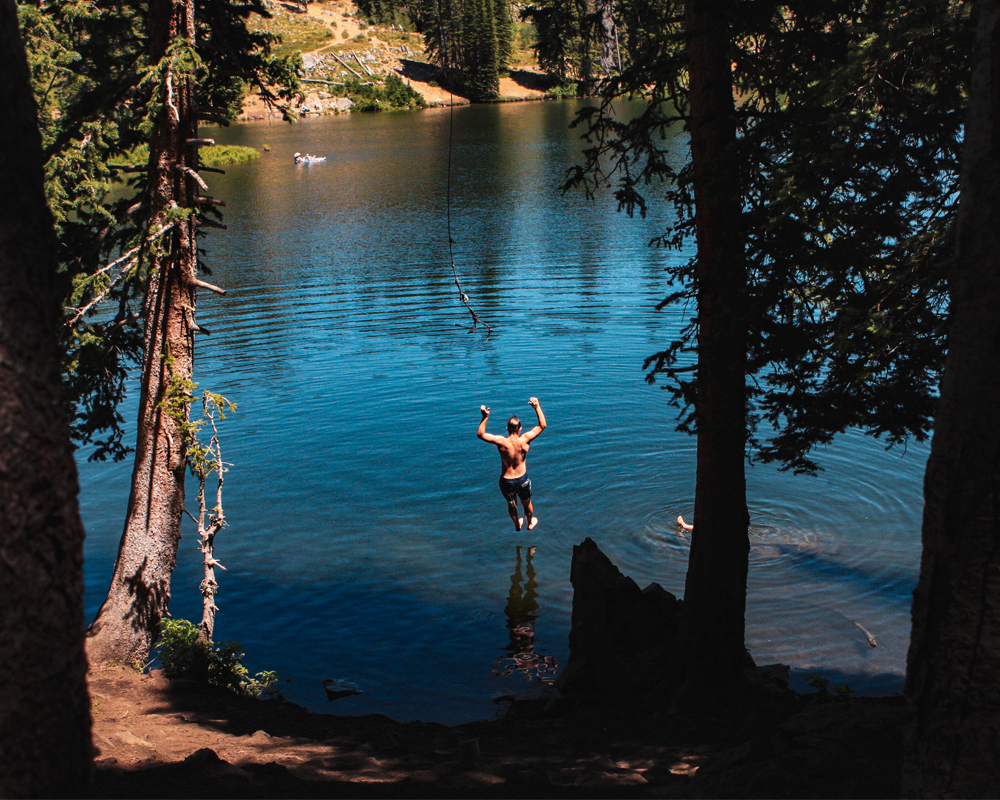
368 539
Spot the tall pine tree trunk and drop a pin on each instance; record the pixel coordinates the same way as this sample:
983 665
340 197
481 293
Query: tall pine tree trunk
607 36
587 35
45 748
127 623
712 637
953 666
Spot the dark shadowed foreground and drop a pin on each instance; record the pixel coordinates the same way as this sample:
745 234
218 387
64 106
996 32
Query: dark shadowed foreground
44 725
166 739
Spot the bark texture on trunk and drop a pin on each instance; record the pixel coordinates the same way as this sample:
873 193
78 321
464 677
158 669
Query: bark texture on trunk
590 32
45 748
712 641
608 36
953 666
127 624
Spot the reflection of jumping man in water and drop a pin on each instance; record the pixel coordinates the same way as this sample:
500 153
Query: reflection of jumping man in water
513 447
522 608
522 613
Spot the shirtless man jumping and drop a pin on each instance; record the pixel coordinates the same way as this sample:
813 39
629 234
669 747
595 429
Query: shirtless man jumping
513 447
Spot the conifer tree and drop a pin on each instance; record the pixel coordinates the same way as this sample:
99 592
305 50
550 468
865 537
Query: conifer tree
471 41
90 72
577 40
559 37
952 744
504 27
443 28
45 743
127 622
843 160
129 73
480 50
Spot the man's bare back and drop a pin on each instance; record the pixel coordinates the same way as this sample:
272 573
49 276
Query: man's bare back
513 449
513 456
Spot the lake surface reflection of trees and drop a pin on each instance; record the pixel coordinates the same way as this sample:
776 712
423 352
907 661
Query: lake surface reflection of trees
521 657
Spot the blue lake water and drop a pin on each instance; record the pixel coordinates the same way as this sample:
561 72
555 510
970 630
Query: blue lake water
368 540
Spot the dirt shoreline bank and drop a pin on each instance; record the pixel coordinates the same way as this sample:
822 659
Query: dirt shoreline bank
521 87
157 738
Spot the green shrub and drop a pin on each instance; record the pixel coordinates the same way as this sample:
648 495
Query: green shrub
216 155
822 687
219 155
570 89
393 94
220 663
401 95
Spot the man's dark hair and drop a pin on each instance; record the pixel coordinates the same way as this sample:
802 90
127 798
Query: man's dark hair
513 425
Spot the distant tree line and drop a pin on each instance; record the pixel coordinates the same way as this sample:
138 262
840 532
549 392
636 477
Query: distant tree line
471 41
577 40
391 12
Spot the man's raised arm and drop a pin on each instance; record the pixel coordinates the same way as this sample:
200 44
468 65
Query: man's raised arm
533 402
481 433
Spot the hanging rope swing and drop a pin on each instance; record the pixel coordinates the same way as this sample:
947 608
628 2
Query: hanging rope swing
476 320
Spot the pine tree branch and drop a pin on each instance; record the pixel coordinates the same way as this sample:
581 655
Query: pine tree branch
80 312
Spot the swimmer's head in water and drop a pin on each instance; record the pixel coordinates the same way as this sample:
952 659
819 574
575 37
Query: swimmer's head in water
513 425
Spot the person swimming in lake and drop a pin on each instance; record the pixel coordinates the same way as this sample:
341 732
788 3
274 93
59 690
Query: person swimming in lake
514 480
684 525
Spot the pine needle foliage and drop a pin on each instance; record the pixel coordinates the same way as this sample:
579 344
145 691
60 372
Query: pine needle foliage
577 41
849 132
472 42
560 44
98 93
391 95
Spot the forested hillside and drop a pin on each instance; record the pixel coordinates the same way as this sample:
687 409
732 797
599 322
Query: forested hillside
475 42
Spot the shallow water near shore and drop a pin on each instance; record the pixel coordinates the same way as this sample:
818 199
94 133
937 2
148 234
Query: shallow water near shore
368 540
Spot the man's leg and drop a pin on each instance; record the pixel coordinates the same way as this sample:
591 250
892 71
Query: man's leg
512 510
529 513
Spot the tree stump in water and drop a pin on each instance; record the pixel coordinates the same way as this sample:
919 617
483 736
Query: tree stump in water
621 637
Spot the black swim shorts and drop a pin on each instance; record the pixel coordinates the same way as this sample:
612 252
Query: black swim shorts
521 487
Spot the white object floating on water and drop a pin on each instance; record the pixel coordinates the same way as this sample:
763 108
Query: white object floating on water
336 689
